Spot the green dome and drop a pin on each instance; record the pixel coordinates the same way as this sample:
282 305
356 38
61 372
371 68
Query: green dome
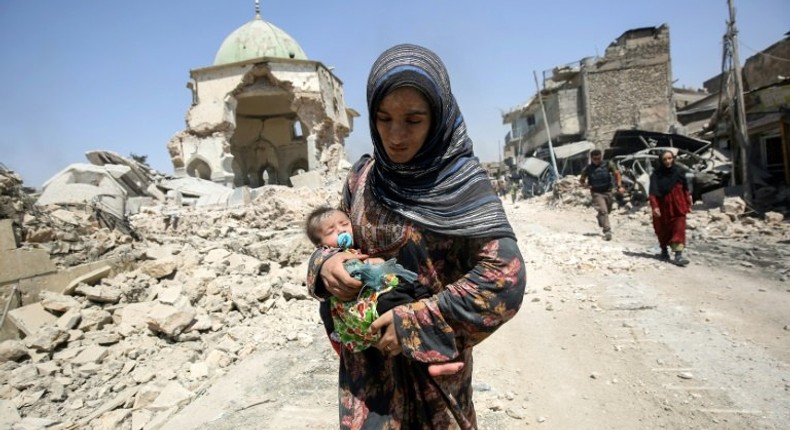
257 39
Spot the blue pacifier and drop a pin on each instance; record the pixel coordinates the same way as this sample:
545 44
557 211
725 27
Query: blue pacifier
344 240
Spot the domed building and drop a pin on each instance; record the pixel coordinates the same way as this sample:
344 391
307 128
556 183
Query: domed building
262 113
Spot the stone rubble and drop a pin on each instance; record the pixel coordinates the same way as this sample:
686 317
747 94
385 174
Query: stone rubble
131 342
134 344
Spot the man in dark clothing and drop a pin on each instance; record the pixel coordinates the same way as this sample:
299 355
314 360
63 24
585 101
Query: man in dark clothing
597 176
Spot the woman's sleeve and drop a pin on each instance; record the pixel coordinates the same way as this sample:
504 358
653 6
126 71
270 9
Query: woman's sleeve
315 286
653 200
468 310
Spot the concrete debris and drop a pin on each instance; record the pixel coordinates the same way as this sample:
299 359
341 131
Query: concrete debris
189 283
105 330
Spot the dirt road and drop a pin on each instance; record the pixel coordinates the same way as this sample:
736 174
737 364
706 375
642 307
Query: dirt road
609 337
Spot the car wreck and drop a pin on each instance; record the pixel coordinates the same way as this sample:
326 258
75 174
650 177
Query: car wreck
706 171
636 153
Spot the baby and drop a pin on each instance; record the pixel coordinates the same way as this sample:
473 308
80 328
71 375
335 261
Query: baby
386 285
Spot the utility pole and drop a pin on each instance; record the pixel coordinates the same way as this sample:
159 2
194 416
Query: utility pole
742 135
546 124
499 165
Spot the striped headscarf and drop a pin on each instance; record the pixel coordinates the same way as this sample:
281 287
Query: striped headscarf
443 188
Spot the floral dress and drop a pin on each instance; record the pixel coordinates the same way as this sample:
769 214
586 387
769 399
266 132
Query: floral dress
476 284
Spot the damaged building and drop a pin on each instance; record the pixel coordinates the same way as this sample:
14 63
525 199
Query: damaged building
261 113
629 87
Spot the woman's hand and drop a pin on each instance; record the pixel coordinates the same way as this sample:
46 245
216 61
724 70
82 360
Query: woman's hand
336 279
388 342
656 213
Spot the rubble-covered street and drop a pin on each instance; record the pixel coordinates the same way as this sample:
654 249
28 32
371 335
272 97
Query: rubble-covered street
205 322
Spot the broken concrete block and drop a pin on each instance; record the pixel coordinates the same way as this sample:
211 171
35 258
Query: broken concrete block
47 369
58 302
8 414
69 320
29 319
91 354
57 282
94 319
24 263
12 350
156 252
57 391
99 294
89 278
158 268
102 337
40 235
8 239
173 395
23 377
134 314
67 217
146 395
47 339
169 320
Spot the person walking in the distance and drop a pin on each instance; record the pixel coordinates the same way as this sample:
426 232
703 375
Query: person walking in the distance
597 176
670 201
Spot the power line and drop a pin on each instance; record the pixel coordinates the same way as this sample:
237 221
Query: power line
763 53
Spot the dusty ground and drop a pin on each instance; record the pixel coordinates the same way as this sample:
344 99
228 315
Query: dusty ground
609 337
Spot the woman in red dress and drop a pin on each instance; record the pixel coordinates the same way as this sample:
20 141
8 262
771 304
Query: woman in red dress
671 201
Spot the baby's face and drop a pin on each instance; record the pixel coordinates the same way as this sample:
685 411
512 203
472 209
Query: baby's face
337 222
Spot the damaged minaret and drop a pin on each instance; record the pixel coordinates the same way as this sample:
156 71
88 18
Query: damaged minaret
261 113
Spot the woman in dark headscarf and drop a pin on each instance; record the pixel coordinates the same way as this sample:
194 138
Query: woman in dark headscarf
671 201
424 199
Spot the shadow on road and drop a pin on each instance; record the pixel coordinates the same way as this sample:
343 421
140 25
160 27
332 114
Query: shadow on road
643 254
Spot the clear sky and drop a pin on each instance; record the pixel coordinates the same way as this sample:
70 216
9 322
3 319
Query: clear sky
97 74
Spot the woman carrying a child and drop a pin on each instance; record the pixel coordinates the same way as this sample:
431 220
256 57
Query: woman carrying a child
424 200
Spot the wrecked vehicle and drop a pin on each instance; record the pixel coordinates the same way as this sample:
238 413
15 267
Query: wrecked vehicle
536 177
636 152
706 171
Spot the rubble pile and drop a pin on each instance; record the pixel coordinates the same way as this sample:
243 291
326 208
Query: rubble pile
730 228
567 191
134 340
16 201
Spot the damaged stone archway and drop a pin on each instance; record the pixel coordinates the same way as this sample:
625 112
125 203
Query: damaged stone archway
260 110
199 168
271 131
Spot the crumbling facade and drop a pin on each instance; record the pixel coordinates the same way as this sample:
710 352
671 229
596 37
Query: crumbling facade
261 113
629 87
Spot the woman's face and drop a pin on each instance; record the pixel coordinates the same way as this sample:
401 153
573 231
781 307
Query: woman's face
667 159
403 120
